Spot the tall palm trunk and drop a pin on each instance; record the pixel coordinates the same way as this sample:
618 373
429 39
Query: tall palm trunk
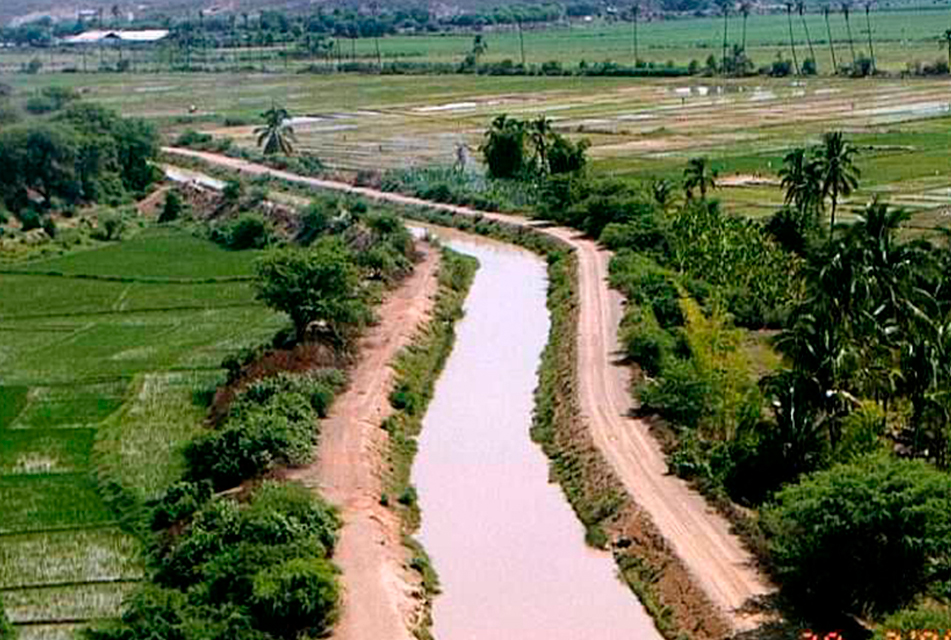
521 40
726 24
868 26
746 15
805 26
635 10
947 37
792 41
835 202
835 66
848 27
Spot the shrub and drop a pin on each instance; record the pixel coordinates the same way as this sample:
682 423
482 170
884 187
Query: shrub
644 282
193 139
180 501
295 597
680 395
109 227
866 538
925 621
233 191
172 208
249 231
7 631
645 342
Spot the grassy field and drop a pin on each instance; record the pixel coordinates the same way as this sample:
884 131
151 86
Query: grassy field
98 390
900 36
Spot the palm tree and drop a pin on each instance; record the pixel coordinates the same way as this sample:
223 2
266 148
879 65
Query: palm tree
837 171
868 25
115 25
946 39
521 38
276 135
825 12
698 175
725 8
801 7
539 132
662 191
635 13
800 179
846 7
745 7
792 41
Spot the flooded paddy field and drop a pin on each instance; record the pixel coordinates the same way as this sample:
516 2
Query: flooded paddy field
638 128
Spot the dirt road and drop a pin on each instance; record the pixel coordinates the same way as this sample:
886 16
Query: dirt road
378 590
699 536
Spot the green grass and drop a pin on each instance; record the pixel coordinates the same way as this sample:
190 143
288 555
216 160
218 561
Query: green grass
156 253
31 451
99 380
161 415
40 502
68 556
12 401
65 603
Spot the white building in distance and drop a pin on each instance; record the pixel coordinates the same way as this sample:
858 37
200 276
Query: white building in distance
117 36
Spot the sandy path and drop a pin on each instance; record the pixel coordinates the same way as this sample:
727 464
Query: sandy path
379 600
699 536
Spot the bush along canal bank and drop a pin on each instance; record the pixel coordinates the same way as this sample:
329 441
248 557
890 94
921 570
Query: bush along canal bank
418 367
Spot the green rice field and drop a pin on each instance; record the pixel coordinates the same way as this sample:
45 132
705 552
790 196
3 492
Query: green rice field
102 354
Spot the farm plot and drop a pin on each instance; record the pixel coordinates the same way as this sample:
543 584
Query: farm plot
638 128
102 355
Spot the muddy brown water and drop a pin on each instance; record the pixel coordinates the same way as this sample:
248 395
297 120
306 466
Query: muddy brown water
508 549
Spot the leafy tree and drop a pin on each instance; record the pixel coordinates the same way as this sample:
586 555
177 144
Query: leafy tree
41 157
314 285
565 156
866 538
504 147
835 164
699 175
276 136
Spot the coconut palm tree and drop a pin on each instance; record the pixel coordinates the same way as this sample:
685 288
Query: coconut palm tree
837 171
699 175
801 8
276 136
725 8
868 25
846 8
539 132
800 179
635 14
792 41
946 39
825 12
745 8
